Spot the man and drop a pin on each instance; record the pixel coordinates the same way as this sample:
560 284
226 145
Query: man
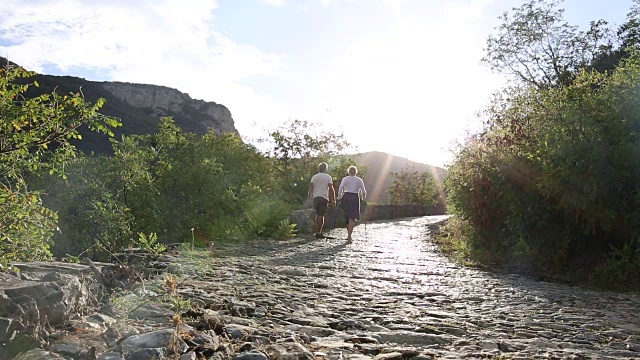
322 192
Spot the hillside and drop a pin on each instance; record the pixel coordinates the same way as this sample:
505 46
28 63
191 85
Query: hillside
380 165
138 106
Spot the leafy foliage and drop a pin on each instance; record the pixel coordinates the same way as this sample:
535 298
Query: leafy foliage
535 45
197 180
554 175
298 147
286 230
173 184
35 135
149 243
298 140
621 269
411 187
25 226
552 180
92 219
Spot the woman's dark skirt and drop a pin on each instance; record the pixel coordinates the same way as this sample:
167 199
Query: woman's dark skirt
351 206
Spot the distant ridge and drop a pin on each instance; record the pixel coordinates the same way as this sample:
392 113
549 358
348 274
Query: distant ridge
379 167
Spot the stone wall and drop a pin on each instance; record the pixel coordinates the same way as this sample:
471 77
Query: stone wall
389 212
305 223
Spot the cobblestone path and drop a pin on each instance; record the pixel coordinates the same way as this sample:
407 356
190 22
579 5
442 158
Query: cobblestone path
390 295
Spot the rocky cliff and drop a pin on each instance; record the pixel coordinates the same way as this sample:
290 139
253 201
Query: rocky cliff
139 107
163 101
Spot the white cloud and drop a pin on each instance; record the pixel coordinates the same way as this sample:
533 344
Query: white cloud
157 42
326 3
276 3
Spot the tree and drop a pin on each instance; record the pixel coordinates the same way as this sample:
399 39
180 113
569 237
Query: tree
298 147
411 187
35 135
535 45
627 40
629 31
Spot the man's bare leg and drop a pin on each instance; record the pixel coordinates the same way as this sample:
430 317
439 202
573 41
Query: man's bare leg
319 224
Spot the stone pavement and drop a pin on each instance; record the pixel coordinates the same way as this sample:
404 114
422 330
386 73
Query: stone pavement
387 295
391 295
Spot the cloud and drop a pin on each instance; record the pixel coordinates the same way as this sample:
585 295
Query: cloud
159 42
326 3
276 3
70 34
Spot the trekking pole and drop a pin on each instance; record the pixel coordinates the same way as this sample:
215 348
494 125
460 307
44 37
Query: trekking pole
333 217
366 206
366 233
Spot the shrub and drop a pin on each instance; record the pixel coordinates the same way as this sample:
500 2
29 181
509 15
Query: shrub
553 176
35 135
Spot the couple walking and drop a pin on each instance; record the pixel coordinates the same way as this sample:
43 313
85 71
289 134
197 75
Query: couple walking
323 194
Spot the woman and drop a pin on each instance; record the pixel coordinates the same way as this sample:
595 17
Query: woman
349 193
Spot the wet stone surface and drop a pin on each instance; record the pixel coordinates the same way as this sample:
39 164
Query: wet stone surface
390 295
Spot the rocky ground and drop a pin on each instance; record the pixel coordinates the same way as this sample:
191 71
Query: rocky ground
387 295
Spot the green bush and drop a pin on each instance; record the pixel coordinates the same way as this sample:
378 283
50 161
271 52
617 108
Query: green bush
35 135
411 187
92 219
175 185
553 177
621 268
26 227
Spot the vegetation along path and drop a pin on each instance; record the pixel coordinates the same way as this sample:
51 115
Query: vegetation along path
390 294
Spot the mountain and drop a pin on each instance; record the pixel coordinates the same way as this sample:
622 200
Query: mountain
379 166
138 106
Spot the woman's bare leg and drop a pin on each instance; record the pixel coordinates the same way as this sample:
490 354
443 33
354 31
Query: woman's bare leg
350 226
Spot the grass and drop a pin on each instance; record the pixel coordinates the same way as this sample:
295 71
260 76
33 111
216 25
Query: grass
614 275
450 240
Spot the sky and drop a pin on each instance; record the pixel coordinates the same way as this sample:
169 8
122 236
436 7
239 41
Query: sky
398 76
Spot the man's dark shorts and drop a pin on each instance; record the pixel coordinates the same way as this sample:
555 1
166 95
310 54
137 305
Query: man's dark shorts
320 205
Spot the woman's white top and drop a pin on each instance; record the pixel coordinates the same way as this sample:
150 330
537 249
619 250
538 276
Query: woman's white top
351 184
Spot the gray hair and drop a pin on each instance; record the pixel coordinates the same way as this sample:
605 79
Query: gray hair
322 167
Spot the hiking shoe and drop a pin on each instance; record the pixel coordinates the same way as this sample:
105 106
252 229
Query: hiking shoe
319 236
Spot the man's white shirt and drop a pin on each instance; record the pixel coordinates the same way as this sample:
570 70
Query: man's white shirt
321 183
